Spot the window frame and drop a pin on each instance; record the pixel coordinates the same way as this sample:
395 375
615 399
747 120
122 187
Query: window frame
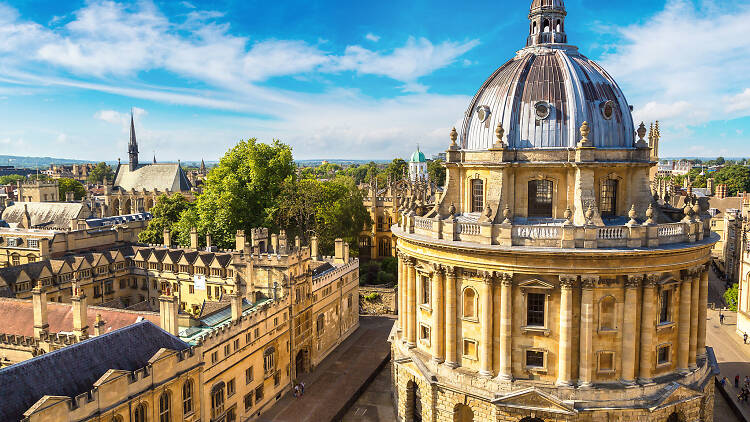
165 406
187 397
425 332
608 196
668 362
537 204
469 356
599 356
601 328
475 304
476 192
535 368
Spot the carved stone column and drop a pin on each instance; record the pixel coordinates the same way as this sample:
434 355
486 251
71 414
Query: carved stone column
451 359
628 329
506 328
695 281
485 354
648 328
565 347
587 321
401 291
411 303
702 314
683 324
437 341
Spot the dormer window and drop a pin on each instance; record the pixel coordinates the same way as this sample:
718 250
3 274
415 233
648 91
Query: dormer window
608 109
483 113
541 110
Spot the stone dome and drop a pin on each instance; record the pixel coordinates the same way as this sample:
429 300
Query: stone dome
543 95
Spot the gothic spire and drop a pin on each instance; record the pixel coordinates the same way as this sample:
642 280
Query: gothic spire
133 145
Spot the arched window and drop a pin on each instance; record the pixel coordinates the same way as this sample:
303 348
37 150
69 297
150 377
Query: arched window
116 418
607 313
558 26
16 259
463 413
384 247
31 258
608 203
533 29
164 407
414 401
477 195
217 400
540 198
187 397
139 414
470 303
546 25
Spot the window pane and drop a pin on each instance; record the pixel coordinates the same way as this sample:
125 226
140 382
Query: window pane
477 195
534 358
540 198
608 205
535 310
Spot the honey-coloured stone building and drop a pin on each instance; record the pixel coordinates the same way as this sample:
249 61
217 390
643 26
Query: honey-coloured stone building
547 284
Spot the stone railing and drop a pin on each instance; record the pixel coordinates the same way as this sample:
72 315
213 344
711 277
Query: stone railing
557 236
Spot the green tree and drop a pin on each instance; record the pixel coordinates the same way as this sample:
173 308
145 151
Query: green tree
166 213
730 297
329 209
396 169
436 170
11 179
737 178
100 173
720 161
71 185
241 192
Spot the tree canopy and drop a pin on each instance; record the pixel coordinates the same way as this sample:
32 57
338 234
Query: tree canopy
166 213
240 192
11 179
436 170
65 185
100 173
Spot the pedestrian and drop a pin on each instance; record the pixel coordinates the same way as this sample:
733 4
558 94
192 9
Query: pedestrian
744 338
296 391
721 318
737 381
302 388
723 381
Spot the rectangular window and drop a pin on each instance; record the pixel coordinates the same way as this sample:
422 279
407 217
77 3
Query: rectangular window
666 299
217 289
424 333
540 198
477 195
34 243
248 401
662 355
606 361
425 291
230 388
227 350
257 333
277 379
214 357
259 393
535 309
608 205
236 344
534 359
248 338
470 349
249 375
191 288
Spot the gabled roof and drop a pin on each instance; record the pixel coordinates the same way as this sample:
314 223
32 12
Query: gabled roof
151 177
221 260
73 370
173 256
46 214
188 258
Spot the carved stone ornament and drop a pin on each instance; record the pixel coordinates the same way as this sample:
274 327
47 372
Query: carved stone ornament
589 214
585 135
632 214
452 210
633 281
487 276
507 279
650 214
488 211
641 132
568 281
439 269
588 281
568 215
450 271
454 137
651 280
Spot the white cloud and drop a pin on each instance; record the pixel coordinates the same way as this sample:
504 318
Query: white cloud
372 37
118 118
683 64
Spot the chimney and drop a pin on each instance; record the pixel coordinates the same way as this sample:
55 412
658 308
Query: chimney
193 238
236 299
69 196
282 242
690 189
346 252
297 243
208 241
710 186
167 237
26 219
168 312
98 325
339 251
239 241
314 248
274 244
39 302
80 317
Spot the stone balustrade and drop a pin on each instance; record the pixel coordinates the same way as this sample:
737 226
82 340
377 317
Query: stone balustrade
556 236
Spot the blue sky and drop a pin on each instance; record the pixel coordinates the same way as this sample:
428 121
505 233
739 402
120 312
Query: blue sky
341 79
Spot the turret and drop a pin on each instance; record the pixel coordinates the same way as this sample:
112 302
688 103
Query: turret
547 23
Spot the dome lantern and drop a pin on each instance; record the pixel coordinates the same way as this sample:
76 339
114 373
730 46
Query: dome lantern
547 23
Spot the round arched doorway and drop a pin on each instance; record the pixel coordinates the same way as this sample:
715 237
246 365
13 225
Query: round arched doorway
463 413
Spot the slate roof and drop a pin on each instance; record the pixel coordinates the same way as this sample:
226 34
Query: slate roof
73 370
17 316
152 176
46 214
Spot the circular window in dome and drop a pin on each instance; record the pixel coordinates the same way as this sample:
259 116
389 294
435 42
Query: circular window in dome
541 109
483 113
608 109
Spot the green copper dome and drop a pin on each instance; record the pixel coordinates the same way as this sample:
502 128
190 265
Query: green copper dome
418 157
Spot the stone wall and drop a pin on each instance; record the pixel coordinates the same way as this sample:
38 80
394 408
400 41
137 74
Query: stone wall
385 304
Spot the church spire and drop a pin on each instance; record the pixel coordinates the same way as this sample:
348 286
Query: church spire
133 145
203 167
547 23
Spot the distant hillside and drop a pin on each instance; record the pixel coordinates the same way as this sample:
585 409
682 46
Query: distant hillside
36 162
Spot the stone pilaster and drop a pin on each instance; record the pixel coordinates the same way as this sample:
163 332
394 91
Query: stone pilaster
401 291
451 359
702 314
683 324
437 341
485 350
695 280
585 354
411 303
506 328
565 346
648 328
628 330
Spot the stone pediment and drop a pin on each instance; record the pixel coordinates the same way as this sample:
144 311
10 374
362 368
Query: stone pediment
535 283
533 399
675 393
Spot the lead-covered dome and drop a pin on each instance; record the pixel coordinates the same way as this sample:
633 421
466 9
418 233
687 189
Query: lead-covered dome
543 95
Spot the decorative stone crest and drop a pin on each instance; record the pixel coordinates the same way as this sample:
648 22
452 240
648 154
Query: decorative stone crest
452 210
641 134
589 215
